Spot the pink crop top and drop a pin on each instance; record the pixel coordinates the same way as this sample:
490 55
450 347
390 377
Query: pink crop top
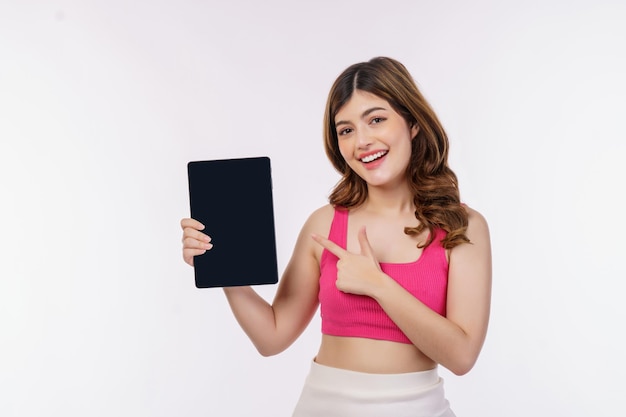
353 315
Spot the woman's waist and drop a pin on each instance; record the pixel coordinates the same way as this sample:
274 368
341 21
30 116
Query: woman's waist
372 356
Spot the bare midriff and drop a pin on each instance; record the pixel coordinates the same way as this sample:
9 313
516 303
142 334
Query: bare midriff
372 356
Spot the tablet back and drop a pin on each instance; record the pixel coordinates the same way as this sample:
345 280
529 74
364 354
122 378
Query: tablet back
233 199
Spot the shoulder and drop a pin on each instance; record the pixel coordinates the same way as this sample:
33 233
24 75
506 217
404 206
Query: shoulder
478 234
319 221
476 223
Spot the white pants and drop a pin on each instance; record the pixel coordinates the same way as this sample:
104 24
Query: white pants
332 392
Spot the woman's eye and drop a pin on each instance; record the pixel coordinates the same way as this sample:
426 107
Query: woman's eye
377 120
345 131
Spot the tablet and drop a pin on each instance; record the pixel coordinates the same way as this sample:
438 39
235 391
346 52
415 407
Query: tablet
233 199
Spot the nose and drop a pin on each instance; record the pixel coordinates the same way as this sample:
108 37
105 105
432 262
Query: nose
363 139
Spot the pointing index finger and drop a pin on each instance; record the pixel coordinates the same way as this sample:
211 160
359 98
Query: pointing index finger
329 245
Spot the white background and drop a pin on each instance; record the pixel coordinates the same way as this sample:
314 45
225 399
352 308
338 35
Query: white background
103 103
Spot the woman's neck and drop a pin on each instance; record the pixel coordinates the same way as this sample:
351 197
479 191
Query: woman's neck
389 201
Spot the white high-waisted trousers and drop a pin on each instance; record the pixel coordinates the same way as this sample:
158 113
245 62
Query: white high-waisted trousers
333 392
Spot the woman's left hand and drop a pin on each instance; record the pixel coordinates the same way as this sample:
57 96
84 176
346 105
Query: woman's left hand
357 273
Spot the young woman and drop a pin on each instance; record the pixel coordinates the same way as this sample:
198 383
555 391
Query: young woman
400 268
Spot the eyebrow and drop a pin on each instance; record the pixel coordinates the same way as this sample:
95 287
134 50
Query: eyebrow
364 114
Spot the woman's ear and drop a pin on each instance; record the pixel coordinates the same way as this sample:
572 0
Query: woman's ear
414 130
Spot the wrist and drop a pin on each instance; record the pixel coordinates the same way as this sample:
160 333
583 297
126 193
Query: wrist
383 284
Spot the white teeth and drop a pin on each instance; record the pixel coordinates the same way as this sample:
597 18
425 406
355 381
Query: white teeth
374 156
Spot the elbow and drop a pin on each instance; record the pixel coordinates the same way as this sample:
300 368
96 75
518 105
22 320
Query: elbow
462 365
460 370
272 344
266 353
268 350
462 359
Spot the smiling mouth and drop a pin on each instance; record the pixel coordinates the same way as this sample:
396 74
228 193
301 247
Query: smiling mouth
373 157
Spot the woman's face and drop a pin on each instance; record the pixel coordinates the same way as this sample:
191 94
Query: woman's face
374 139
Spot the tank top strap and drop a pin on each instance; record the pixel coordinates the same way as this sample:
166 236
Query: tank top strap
339 227
435 250
337 234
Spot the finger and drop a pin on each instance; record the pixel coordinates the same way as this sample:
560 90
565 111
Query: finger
192 223
330 246
194 234
366 248
191 243
188 255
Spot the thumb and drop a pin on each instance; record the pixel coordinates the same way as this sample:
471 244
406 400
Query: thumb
366 248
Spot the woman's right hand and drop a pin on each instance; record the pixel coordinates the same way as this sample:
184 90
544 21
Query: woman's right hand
194 241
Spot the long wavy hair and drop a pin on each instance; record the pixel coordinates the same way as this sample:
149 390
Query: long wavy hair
433 184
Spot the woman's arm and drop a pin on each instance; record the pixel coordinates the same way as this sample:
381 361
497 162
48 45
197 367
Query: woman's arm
453 341
274 327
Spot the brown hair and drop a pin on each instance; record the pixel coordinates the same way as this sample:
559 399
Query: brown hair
434 185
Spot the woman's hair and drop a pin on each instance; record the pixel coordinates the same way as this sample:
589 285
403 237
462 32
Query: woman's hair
433 184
